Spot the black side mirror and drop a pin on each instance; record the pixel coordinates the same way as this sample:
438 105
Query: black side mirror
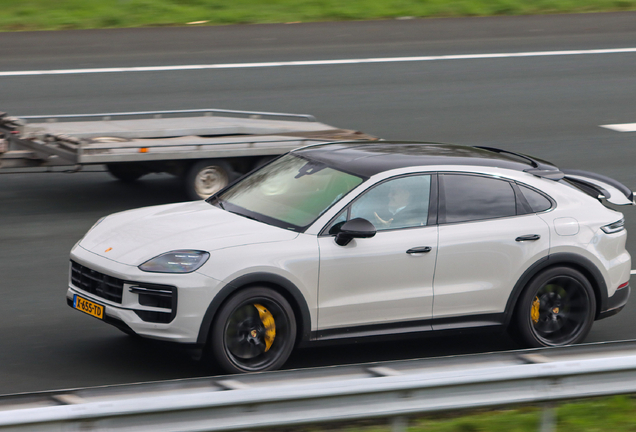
355 228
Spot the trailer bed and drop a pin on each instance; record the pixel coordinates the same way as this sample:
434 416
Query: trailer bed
111 138
206 148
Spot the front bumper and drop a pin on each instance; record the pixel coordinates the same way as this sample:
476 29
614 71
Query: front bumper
132 314
109 319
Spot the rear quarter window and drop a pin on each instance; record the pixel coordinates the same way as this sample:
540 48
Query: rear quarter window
537 201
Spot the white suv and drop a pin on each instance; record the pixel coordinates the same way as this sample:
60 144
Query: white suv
354 240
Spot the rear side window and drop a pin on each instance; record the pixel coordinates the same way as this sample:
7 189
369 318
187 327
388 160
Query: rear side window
468 198
537 202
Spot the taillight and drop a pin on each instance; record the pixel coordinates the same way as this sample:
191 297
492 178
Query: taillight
614 227
625 285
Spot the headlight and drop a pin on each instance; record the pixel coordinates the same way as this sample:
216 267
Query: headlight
614 227
179 261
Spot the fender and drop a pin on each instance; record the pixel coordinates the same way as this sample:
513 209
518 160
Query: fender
291 291
582 264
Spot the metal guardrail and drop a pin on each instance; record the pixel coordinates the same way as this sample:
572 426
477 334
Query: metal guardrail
384 390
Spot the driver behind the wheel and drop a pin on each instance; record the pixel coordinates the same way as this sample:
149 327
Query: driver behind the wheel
396 211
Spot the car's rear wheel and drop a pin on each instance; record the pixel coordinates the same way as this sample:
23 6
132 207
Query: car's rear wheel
556 308
254 331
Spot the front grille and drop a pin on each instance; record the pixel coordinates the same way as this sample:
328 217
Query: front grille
94 282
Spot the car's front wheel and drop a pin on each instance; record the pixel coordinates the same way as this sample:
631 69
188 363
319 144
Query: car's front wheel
556 308
254 331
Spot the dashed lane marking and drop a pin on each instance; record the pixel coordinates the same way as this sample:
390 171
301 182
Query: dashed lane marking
624 127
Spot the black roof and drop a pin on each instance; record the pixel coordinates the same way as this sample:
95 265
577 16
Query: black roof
372 157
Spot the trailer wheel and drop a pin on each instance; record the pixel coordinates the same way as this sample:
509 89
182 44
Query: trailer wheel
127 173
206 177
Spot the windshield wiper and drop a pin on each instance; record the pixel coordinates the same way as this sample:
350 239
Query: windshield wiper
215 201
246 216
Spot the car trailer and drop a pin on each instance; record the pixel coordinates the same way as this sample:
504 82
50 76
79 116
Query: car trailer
206 148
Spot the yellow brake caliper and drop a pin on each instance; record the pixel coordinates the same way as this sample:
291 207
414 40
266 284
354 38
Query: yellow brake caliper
534 312
270 326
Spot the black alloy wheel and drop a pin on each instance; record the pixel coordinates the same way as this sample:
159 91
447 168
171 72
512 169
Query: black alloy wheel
254 331
557 308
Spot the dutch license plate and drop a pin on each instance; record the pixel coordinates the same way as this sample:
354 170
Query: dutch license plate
88 307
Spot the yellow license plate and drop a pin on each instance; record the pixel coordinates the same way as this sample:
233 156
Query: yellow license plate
88 307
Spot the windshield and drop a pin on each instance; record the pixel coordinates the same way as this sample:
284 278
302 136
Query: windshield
291 192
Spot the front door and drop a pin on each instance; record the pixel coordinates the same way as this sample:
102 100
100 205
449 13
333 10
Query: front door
387 278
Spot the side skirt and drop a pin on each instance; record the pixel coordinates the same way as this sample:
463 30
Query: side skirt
408 328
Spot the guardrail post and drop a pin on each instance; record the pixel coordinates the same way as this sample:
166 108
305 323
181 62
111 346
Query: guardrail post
548 418
399 424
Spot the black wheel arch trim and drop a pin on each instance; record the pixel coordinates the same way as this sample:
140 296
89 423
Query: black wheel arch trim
288 289
582 264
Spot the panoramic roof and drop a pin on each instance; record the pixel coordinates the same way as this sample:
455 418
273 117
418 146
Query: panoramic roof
369 158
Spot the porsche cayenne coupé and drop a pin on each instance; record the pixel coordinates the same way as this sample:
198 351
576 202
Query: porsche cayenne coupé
363 239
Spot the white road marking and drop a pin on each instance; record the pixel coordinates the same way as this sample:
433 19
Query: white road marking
625 127
316 62
633 272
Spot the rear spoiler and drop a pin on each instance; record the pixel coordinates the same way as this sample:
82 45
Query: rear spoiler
600 186
595 185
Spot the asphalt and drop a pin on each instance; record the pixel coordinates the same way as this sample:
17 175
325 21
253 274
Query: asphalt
550 107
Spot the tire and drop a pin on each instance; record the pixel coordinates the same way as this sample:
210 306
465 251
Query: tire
239 336
565 310
127 173
206 177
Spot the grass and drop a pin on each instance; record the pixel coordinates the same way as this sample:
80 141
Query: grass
85 14
616 414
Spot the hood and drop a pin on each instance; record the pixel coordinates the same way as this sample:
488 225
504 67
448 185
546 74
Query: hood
135 236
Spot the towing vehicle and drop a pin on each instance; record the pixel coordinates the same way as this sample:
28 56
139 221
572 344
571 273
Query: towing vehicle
206 148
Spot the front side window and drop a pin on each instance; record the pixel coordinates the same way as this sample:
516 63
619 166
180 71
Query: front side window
291 192
468 197
393 204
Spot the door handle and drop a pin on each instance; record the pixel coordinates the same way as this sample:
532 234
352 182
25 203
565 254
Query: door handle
421 249
529 237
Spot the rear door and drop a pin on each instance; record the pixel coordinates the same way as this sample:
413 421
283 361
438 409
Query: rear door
488 236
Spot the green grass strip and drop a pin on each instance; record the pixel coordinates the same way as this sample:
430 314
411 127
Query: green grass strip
615 414
84 14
